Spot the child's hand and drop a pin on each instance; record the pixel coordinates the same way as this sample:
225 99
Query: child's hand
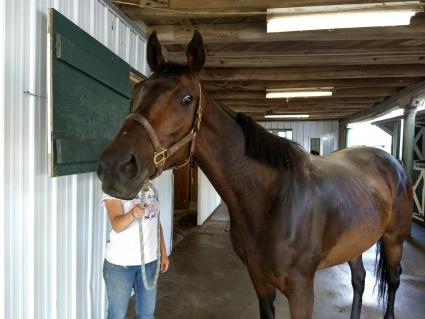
165 263
137 212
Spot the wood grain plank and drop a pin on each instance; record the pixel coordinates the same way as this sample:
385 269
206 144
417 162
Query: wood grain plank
256 32
313 73
336 83
348 93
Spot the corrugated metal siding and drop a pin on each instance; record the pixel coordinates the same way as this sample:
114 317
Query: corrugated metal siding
53 229
302 131
208 198
2 111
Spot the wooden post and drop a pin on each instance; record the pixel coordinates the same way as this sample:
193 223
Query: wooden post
342 134
395 141
409 138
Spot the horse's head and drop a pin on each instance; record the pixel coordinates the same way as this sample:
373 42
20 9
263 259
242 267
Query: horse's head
159 133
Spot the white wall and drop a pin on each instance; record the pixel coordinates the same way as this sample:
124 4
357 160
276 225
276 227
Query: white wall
53 229
208 198
302 131
2 213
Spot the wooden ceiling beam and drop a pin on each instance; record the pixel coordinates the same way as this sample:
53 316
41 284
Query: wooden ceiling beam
348 93
258 5
282 56
336 83
256 32
313 73
395 100
298 104
307 111
238 5
301 49
320 116
322 100
349 59
297 112
341 108
177 8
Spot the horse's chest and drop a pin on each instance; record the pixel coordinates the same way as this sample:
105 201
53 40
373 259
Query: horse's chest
256 249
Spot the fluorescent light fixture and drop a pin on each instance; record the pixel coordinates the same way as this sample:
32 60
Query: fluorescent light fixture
283 116
342 16
291 93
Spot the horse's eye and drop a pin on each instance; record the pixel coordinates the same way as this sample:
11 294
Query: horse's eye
187 100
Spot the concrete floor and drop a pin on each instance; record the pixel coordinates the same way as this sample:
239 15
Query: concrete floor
206 280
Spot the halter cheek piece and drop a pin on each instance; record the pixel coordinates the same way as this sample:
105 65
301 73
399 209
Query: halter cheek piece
161 154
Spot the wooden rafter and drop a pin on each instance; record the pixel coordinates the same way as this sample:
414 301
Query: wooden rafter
256 32
314 72
254 85
395 100
370 69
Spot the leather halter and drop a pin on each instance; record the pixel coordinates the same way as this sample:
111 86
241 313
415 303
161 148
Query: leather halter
161 154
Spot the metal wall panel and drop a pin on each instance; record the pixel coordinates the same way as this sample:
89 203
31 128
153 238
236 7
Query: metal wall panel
208 198
54 230
2 157
302 131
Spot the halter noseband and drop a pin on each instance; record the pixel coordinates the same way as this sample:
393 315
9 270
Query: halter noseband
161 154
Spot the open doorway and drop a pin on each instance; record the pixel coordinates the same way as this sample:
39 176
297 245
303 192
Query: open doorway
185 201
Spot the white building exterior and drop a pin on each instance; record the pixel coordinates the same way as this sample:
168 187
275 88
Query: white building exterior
303 131
53 229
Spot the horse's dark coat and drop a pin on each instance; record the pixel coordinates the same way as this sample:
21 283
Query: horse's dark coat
291 213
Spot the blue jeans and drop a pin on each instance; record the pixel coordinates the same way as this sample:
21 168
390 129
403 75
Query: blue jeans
119 282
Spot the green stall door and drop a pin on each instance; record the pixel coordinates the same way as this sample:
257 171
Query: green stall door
89 97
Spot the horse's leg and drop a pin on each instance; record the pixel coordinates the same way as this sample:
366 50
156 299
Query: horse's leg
392 247
266 303
300 296
266 296
358 275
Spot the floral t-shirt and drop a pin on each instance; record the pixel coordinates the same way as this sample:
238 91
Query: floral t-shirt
123 248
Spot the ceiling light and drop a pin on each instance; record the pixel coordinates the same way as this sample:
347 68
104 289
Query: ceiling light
291 93
342 16
282 116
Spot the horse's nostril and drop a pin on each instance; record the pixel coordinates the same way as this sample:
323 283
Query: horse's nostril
130 168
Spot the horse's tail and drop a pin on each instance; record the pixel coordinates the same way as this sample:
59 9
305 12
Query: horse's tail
381 271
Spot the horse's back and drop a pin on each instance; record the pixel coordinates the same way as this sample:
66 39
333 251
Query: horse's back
364 193
370 163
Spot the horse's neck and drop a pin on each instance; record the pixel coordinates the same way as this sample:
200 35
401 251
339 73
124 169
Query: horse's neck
220 153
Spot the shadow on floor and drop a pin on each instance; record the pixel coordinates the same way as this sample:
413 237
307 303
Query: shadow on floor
184 223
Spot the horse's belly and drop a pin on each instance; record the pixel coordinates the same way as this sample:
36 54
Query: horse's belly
350 245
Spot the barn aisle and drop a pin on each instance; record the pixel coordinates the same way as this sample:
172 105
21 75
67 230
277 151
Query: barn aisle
207 280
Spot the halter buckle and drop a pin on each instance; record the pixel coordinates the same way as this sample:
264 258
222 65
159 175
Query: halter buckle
160 157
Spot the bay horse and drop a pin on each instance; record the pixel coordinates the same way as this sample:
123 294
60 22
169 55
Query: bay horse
291 213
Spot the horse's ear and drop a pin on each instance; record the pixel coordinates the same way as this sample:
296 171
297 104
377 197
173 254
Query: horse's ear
195 53
154 52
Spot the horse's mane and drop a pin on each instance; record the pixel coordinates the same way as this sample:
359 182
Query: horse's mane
268 148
